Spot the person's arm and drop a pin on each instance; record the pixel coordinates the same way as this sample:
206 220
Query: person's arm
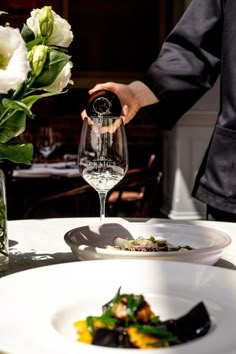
189 62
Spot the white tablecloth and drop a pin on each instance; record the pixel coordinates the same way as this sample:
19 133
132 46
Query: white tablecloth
63 169
40 242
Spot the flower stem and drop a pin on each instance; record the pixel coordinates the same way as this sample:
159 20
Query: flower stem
3 229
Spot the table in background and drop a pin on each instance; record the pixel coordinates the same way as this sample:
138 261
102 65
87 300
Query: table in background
40 242
26 187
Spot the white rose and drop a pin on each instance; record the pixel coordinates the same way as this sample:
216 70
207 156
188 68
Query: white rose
61 35
62 80
14 65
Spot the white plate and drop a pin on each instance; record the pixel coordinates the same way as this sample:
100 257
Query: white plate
39 306
86 242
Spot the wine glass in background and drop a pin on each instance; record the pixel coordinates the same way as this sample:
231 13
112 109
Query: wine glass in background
47 142
103 155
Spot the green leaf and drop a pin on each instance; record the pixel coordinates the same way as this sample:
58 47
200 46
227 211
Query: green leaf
17 151
14 126
54 64
30 100
16 105
29 37
27 34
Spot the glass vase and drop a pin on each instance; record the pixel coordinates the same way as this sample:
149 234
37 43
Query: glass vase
4 256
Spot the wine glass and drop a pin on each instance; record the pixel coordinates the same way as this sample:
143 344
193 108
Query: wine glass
103 155
47 142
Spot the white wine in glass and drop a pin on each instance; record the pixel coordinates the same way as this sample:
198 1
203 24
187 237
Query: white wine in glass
103 155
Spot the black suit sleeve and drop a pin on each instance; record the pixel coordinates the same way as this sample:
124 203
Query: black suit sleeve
188 63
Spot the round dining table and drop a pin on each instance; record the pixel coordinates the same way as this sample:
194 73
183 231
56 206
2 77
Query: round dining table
45 288
40 242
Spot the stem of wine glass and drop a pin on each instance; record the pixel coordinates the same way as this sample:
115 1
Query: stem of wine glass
102 198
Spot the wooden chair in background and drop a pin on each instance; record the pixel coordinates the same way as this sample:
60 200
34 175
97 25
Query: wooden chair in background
81 201
136 195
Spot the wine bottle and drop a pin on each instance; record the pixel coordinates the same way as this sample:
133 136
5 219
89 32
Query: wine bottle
104 103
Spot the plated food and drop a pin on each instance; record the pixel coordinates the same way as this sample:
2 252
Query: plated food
50 299
145 244
127 321
204 245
